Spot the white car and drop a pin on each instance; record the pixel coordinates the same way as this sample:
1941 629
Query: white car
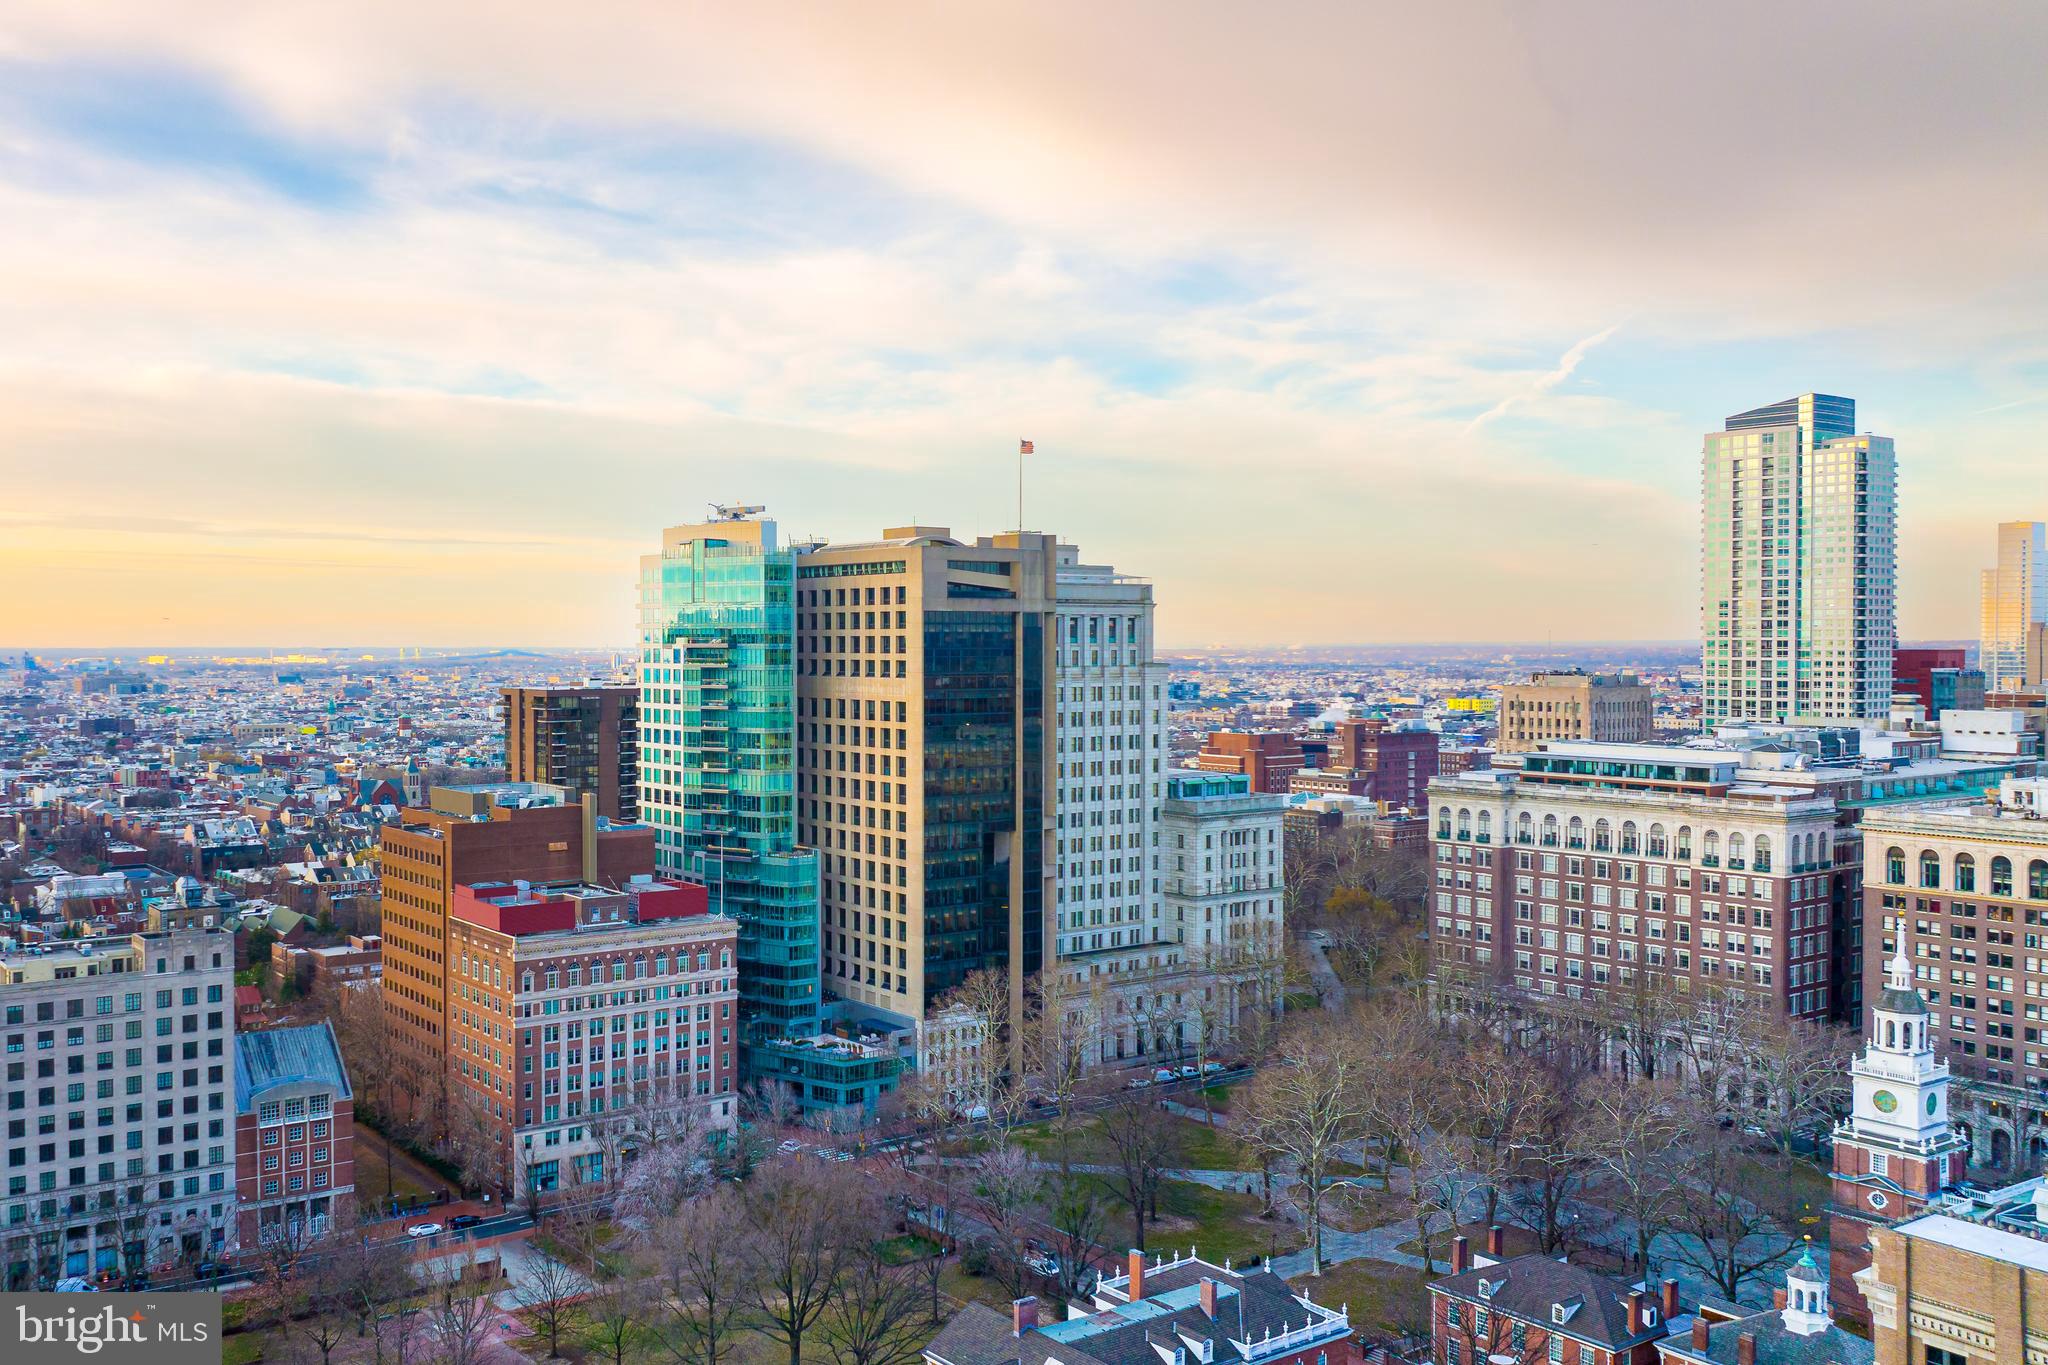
424 1230
1165 1074
1140 1083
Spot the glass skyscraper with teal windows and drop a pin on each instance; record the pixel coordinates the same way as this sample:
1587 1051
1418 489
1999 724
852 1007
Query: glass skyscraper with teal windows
718 783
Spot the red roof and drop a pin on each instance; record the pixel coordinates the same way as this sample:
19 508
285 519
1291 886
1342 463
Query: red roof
248 998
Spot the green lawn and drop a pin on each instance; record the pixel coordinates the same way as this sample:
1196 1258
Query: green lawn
243 1348
908 1247
1382 1298
1215 1222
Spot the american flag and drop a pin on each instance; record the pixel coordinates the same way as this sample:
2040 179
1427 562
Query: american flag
1023 447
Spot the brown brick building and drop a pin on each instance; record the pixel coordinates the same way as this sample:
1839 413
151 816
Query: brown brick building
585 1022
1270 758
294 1137
508 832
584 738
1402 763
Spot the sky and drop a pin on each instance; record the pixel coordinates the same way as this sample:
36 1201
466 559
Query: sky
413 323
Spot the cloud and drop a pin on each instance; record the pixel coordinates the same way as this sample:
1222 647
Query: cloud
1544 383
518 294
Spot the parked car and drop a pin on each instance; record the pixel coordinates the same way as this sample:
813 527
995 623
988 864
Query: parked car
1189 1072
424 1230
1138 1083
463 1221
1211 1068
1164 1075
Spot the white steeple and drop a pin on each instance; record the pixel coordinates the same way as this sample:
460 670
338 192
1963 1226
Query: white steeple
1901 1087
1806 1297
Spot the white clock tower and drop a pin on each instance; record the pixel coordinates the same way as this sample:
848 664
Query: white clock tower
1895 1153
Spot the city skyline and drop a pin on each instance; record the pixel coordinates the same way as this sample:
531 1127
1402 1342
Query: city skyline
365 331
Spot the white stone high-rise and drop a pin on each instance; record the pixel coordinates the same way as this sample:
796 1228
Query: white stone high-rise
1798 565
2015 599
1111 700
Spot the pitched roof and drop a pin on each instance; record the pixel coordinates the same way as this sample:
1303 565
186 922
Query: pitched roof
1529 1287
267 1058
1776 1344
1249 1307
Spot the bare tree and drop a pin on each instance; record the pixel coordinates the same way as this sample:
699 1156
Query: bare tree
611 1316
1306 1108
876 1315
1007 1187
1797 1072
460 1318
1733 1216
701 1263
1063 1032
549 1293
803 1224
1073 1207
1492 1094
1633 1132
1143 1143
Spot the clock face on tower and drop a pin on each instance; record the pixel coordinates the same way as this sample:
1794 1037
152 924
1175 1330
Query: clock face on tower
1885 1101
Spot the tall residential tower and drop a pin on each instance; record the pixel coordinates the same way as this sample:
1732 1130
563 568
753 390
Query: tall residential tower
2015 603
1798 565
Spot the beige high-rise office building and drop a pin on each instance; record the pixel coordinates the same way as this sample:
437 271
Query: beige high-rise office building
925 760
1615 707
2014 605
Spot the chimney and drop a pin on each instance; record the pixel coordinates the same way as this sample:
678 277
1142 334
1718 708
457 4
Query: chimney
1778 1297
1461 1255
589 804
1137 1285
1745 1350
1635 1311
1669 1299
1699 1335
1208 1298
1496 1243
1023 1315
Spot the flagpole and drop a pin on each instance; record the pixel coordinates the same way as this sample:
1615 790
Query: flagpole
1020 487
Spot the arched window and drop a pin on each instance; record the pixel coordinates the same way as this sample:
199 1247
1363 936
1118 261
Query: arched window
2037 880
1486 827
1550 831
1659 845
2001 876
1629 841
1575 833
1895 866
1736 850
1710 849
1464 822
1443 823
1930 872
1525 829
1966 872
1603 836
1685 841
1762 861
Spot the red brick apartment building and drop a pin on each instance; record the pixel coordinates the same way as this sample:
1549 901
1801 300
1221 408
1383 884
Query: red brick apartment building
294 1137
1590 863
504 832
1401 762
1270 758
586 1022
